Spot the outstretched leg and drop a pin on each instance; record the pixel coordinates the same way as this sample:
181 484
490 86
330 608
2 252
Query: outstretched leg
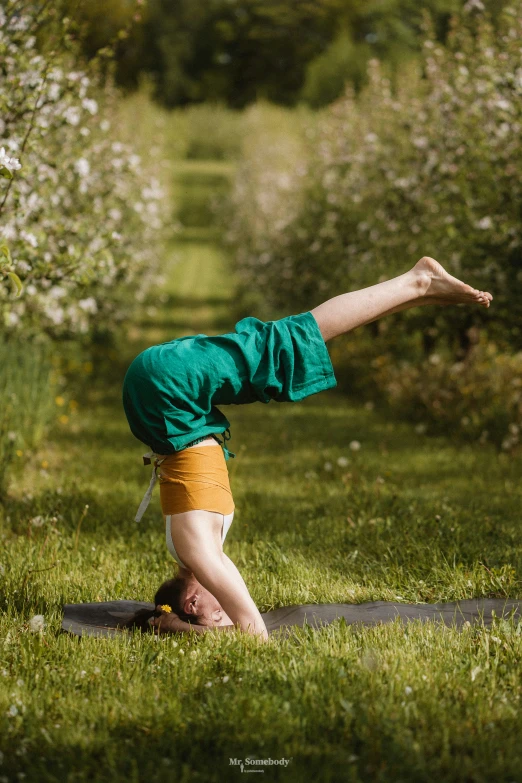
426 283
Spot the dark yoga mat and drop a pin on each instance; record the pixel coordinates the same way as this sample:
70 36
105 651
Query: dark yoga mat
103 619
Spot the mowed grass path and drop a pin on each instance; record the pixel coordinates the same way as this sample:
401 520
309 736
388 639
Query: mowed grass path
404 518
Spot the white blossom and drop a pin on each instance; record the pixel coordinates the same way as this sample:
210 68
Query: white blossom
88 305
37 623
82 167
72 115
355 445
6 162
30 238
90 105
54 91
476 5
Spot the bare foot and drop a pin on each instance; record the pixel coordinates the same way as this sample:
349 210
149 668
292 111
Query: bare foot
439 287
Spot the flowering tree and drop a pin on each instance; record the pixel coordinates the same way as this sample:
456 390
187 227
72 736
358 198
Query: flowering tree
81 213
433 168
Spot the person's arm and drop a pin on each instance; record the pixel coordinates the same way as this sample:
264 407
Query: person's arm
199 547
170 622
220 577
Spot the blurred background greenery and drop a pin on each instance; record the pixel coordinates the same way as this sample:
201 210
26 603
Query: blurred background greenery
238 51
354 138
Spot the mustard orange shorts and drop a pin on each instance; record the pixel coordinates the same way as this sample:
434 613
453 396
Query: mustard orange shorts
195 478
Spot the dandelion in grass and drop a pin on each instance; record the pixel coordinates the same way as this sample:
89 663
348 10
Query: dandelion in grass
408 691
12 711
208 684
343 462
37 623
328 466
355 445
226 678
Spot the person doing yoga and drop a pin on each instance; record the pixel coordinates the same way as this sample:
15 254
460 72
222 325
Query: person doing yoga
170 395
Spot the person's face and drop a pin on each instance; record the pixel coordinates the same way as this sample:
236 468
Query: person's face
200 601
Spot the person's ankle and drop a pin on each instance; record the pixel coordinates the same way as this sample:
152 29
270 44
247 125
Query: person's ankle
420 282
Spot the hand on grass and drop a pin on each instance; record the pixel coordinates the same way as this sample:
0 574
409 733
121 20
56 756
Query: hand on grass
167 622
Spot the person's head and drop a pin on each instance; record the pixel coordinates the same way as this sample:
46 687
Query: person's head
188 599
191 601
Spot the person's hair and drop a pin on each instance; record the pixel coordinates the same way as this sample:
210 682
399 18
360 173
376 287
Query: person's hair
171 592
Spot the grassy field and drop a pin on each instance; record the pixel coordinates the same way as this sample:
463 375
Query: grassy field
404 518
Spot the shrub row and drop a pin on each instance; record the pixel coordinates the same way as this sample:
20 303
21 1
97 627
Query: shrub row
431 168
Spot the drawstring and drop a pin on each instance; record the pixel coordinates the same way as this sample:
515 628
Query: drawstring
148 494
226 452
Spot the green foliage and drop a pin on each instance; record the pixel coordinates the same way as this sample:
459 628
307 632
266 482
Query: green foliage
237 52
326 76
83 217
26 394
207 131
432 167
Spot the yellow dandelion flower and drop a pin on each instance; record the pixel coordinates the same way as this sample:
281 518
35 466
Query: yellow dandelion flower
73 405
19 453
59 401
166 608
45 464
63 419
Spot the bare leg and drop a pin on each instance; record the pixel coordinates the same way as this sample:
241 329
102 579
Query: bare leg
426 283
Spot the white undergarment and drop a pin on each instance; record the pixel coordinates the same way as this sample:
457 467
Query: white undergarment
227 521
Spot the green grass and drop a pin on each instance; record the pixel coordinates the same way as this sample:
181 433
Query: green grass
408 518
